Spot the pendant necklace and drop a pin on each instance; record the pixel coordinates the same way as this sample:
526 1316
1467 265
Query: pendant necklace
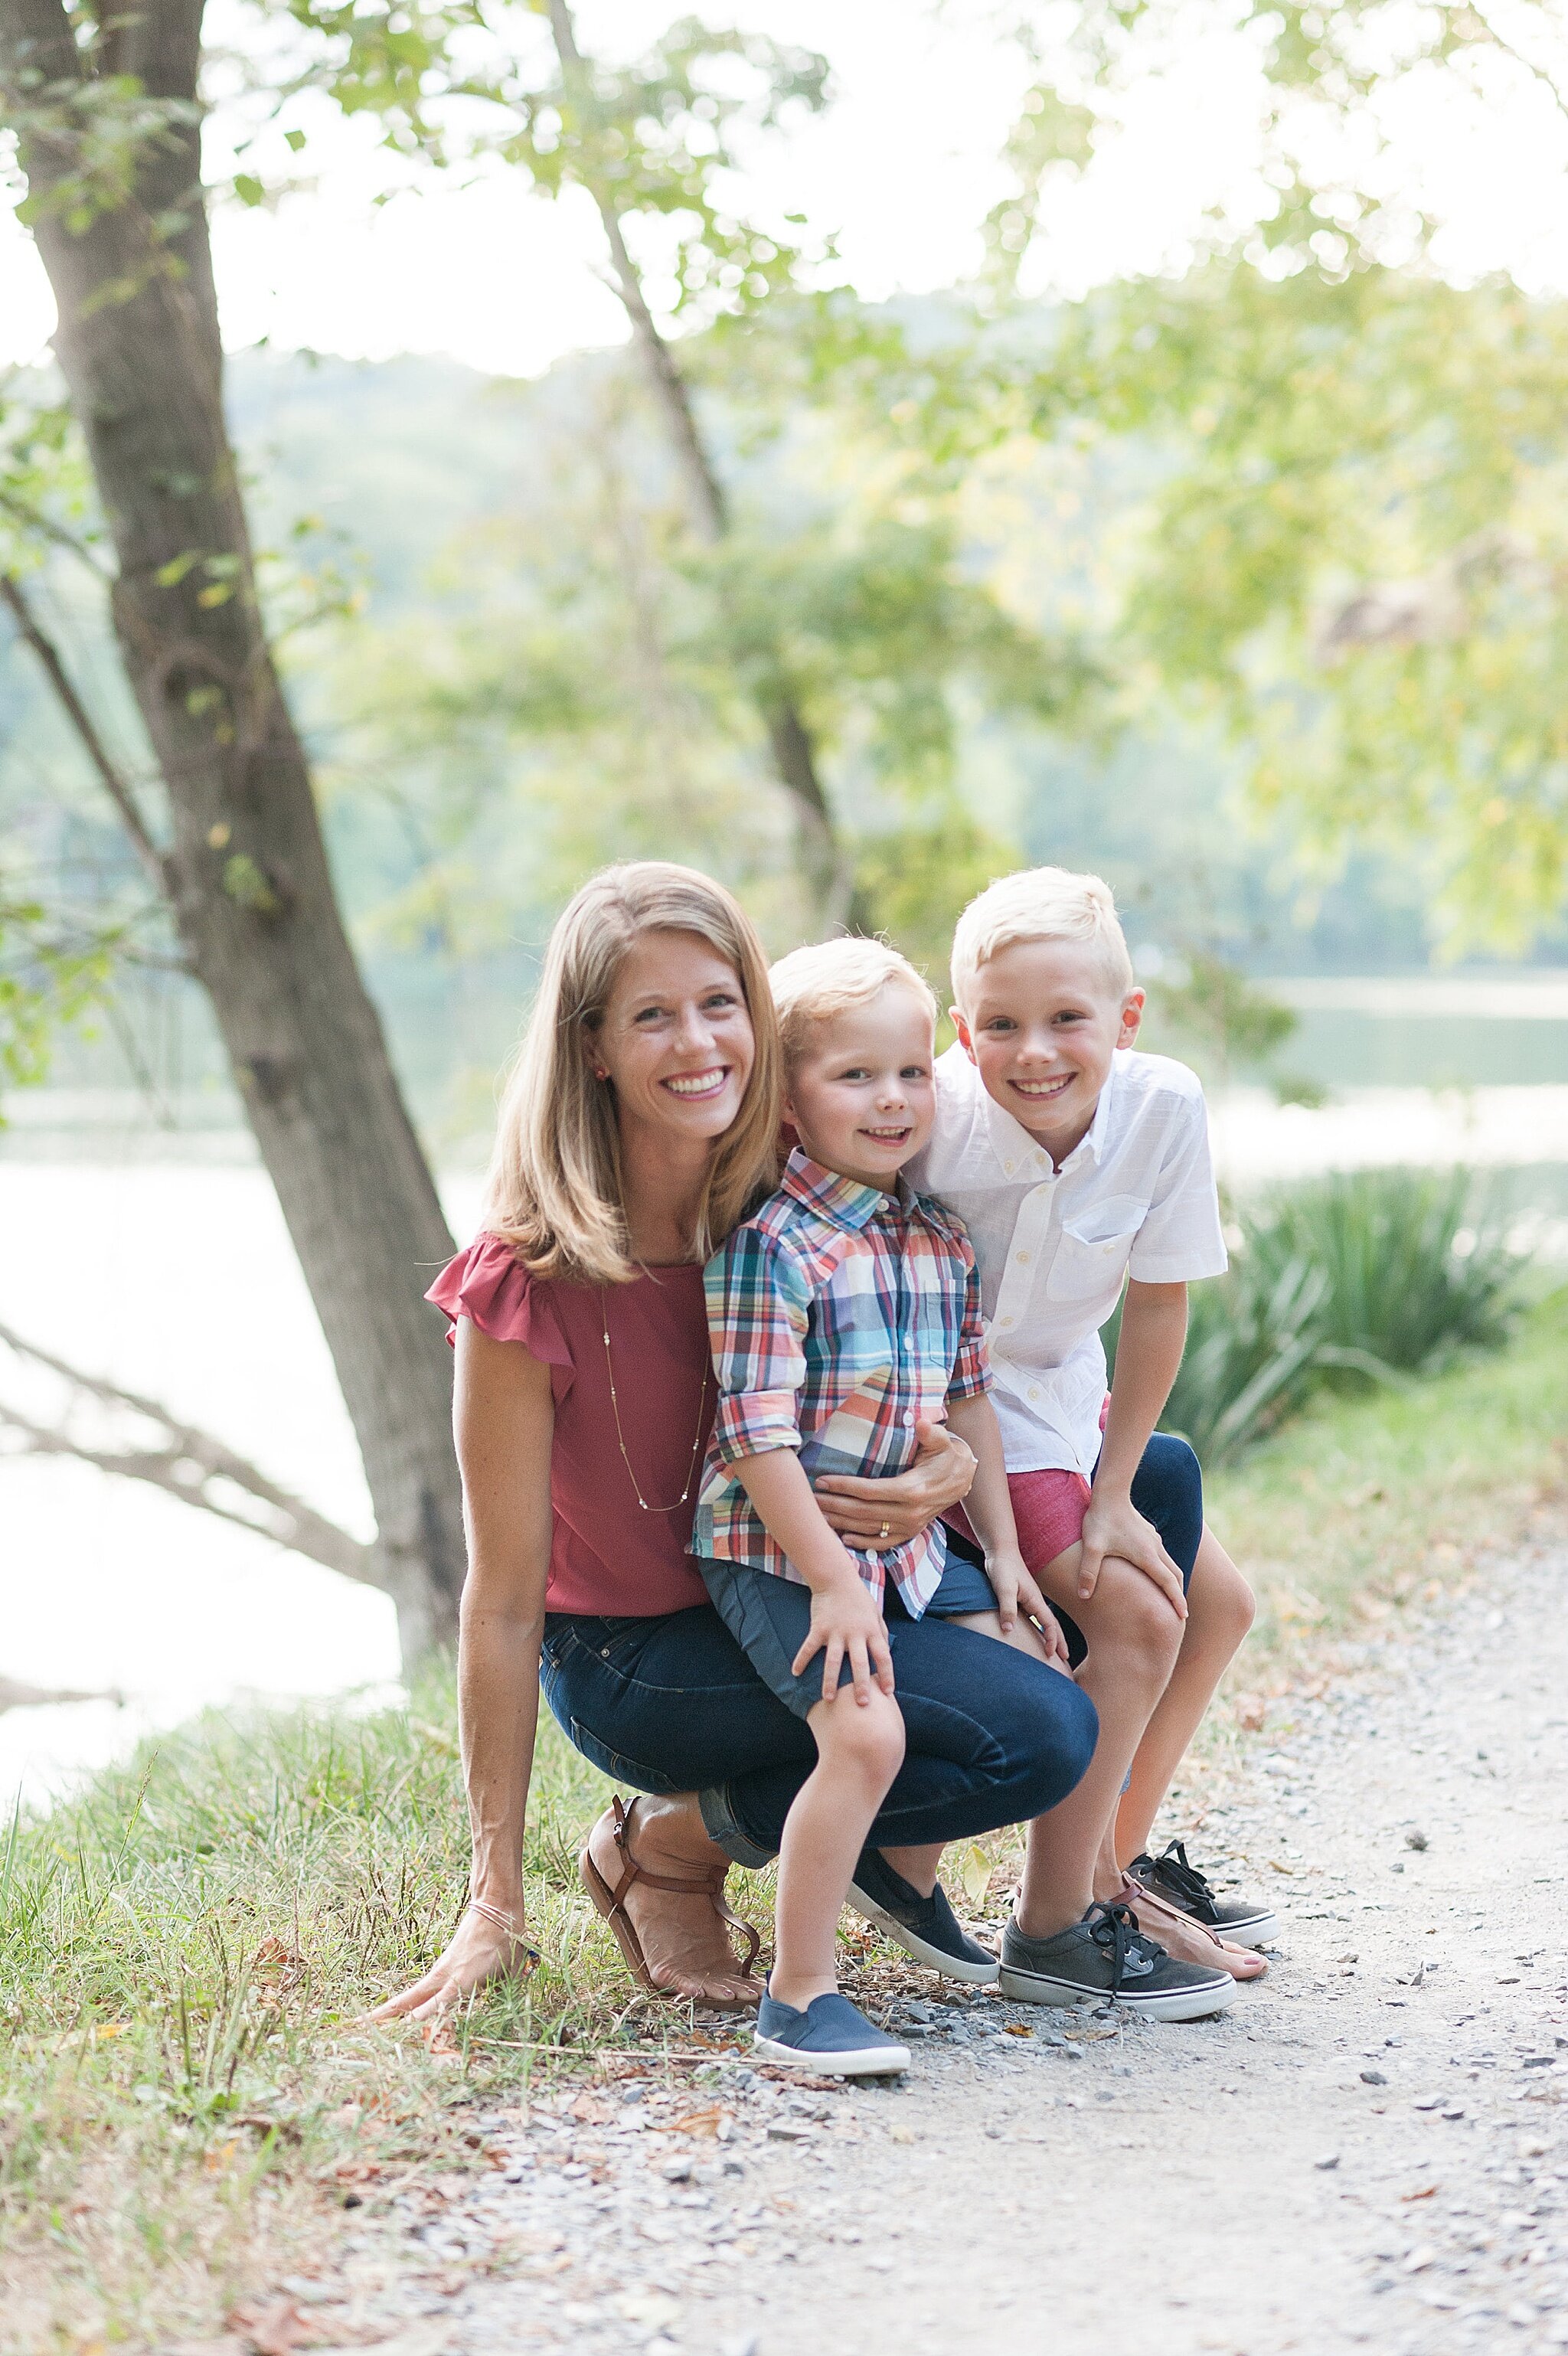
620 1435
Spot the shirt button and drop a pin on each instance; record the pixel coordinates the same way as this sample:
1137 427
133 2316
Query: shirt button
909 1418
1022 1258
1004 1321
1034 1390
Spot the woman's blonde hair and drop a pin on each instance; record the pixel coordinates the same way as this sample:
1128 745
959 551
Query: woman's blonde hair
812 985
554 1188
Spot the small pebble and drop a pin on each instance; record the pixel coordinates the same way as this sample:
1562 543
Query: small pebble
1329 2159
1374 2078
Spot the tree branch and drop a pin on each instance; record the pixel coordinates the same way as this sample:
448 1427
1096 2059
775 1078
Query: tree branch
794 755
76 712
185 1462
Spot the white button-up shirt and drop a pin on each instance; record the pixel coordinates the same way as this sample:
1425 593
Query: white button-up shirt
1137 1197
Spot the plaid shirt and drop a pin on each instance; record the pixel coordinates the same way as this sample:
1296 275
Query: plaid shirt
840 1317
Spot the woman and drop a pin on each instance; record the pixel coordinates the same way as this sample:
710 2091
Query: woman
638 1128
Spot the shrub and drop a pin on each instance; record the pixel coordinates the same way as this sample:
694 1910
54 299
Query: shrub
1359 1278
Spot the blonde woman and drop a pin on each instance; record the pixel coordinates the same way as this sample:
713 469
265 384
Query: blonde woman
639 1128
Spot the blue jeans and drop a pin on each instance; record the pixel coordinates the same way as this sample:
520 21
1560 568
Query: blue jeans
672 1704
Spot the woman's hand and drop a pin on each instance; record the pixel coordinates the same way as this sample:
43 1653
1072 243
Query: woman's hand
478 1951
845 1621
1016 1590
874 1515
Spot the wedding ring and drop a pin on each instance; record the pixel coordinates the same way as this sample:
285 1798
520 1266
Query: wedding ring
883 1531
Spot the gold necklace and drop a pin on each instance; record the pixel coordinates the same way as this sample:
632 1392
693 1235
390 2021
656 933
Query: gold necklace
620 1435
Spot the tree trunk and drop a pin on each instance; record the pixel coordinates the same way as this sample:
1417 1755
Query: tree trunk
245 873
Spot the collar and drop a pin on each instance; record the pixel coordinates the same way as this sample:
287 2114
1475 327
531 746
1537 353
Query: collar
1017 1153
843 1199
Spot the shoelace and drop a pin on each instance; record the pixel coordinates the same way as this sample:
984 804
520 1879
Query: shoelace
1183 1878
1114 1932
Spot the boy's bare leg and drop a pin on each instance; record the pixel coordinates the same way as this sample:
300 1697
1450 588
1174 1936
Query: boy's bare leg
859 1750
1132 1637
1219 1610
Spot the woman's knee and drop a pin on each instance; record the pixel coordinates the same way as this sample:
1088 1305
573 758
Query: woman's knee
1055 1744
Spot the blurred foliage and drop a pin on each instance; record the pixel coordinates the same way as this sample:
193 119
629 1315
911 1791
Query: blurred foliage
1293 517
1359 1279
50 977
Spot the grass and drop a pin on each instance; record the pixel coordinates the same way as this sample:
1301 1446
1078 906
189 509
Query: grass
187 2102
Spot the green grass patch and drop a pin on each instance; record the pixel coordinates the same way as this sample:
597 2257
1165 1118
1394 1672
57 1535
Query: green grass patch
186 2100
1361 1506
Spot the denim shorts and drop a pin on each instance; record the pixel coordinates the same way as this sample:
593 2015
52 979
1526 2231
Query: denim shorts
768 1617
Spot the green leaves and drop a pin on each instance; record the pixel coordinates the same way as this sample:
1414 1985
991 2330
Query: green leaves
50 977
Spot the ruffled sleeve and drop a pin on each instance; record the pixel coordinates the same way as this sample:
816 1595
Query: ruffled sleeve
488 1284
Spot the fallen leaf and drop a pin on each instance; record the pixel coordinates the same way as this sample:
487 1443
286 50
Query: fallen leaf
1017 2029
591 2111
271 2327
974 1872
1425 2193
707 2121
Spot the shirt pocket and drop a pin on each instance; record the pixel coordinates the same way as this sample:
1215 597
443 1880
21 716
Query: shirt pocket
1094 1250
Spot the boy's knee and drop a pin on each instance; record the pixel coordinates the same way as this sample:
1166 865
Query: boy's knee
1147 1632
1222 1603
868 1741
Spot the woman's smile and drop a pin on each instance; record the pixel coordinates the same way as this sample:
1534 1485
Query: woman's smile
696 1086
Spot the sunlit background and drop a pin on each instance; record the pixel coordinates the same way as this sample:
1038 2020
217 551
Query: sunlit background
471 514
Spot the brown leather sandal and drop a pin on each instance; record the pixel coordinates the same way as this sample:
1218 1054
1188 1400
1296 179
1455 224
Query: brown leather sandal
1153 1913
611 1904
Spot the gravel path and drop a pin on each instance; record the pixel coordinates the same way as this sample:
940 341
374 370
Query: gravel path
1370 2149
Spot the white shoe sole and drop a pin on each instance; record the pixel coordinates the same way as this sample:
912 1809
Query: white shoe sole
1175 2003
936 1959
1261 1930
872 2061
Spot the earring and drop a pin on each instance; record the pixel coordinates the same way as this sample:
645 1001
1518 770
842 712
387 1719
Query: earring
599 1073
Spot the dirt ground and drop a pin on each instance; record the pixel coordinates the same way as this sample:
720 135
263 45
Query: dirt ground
1369 2149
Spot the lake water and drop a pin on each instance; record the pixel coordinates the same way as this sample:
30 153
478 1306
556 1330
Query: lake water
175 1278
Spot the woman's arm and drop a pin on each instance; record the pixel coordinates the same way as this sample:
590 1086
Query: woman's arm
907 1503
504 1420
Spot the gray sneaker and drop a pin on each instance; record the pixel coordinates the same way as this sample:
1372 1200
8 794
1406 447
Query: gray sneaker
1108 1955
1173 1876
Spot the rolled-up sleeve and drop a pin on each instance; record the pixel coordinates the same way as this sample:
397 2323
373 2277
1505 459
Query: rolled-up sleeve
758 1307
971 1366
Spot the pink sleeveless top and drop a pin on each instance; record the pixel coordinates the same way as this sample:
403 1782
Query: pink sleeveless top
607 1554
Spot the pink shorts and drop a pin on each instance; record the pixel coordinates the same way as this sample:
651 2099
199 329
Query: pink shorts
1049 1507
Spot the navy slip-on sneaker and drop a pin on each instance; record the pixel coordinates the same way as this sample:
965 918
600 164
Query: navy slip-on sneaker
831 2037
926 1928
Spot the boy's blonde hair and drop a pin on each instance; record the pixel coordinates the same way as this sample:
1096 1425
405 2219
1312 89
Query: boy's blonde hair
554 1190
812 985
1040 904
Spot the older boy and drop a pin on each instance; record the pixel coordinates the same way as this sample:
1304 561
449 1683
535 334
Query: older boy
1075 1163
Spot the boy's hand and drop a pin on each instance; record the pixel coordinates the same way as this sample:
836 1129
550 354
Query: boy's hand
1015 1588
845 1620
1112 1525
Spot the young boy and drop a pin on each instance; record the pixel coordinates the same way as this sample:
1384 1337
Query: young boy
843 1314
1075 1162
